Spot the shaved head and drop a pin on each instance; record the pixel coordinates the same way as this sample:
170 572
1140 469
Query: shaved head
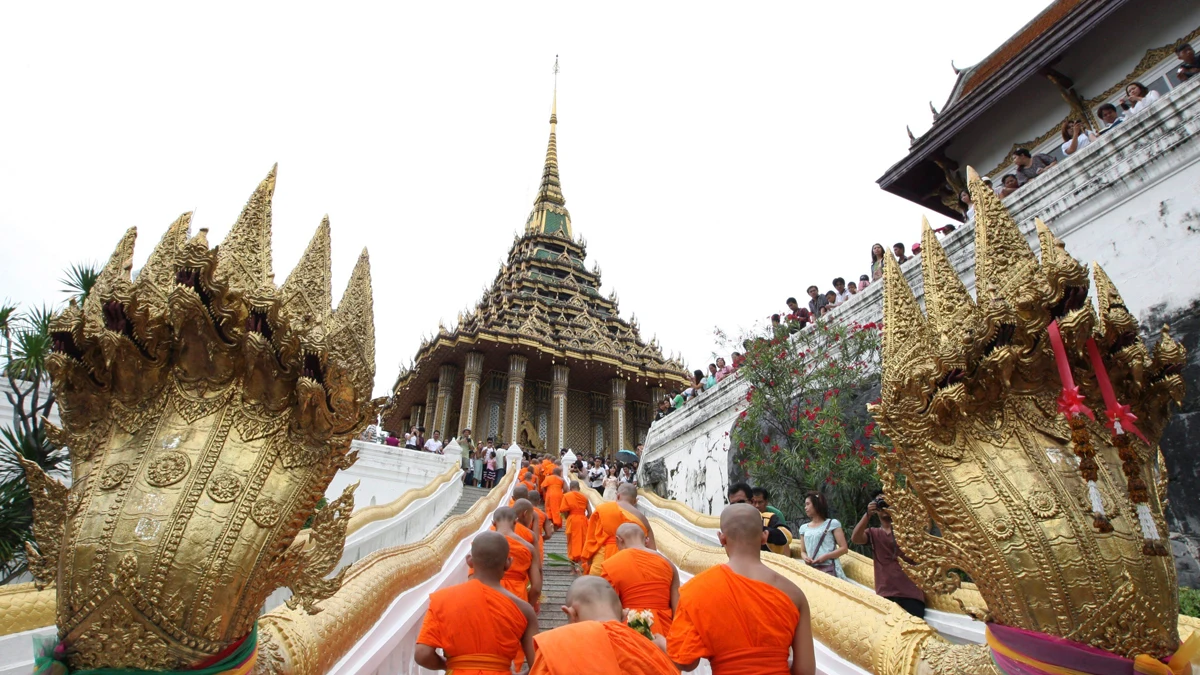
505 514
535 498
557 471
627 492
741 527
631 535
523 508
575 485
592 598
521 492
489 553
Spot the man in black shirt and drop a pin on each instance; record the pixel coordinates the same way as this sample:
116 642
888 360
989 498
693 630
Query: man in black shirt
818 301
1191 65
778 535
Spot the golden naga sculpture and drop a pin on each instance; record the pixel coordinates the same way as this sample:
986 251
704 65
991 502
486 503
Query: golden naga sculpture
206 411
1026 427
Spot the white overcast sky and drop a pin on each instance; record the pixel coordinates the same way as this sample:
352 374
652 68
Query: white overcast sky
717 157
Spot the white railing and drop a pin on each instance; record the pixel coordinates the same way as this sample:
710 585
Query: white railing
958 628
387 648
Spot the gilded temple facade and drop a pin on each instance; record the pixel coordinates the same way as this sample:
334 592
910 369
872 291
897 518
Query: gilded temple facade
544 359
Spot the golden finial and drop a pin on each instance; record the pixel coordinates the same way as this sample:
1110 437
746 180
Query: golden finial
157 276
244 258
308 288
951 311
1003 257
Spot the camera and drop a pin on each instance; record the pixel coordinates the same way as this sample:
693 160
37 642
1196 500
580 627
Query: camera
879 502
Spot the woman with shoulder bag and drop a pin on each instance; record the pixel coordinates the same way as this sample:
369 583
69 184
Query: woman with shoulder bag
822 539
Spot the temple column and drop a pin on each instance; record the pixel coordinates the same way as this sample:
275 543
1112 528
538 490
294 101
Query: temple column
512 403
416 415
445 391
557 436
431 391
617 421
656 394
470 399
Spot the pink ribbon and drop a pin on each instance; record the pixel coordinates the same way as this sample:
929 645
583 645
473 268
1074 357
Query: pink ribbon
1070 401
1113 408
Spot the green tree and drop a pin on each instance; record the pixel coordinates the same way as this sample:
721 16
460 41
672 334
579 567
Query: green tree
805 427
26 343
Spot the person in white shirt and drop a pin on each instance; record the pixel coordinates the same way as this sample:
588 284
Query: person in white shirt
434 444
965 198
596 474
839 286
1138 98
1075 136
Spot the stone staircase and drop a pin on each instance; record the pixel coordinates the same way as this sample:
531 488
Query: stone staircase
467 499
555 582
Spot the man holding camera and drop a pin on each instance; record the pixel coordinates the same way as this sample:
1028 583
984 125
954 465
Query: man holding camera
890 580
779 537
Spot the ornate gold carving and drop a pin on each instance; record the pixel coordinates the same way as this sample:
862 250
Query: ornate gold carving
49 519
113 475
265 512
1013 510
205 379
1042 505
224 488
167 468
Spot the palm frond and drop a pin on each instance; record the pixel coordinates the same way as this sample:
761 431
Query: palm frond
80 279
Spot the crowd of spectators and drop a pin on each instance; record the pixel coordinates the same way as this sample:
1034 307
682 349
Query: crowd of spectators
1077 134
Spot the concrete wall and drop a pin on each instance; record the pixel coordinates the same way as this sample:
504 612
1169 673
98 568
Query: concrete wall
1130 202
384 472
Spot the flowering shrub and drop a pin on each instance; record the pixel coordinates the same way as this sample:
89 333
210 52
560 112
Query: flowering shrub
805 426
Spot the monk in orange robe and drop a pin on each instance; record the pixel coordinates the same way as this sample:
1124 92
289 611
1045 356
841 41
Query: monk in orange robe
597 641
576 508
742 616
552 486
527 528
547 528
643 578
480 626
602 527
522 578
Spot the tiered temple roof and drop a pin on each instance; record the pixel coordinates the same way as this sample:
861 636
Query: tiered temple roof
545 304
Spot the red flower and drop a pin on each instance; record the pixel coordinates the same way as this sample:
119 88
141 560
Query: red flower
741 445
791 431
766 439
774 448
869 430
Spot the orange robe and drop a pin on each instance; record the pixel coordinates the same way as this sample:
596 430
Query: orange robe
574 504
553 486
739 624
595 648
643 580
541 532
516 577
602 533
477 627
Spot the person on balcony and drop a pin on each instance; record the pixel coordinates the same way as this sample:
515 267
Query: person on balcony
1075 136
839 287
434 444
816 302
877 254
899 250
1030 166
1009 184
1109 115
1138 98
1190 66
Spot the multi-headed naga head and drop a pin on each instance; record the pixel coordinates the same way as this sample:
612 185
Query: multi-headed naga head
971 402
206 411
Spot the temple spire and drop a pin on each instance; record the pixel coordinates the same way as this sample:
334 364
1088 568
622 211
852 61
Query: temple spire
549 215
